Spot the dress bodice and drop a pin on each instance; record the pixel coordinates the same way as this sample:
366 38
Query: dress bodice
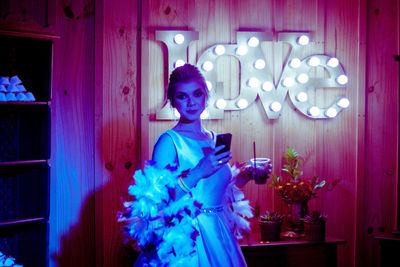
208 191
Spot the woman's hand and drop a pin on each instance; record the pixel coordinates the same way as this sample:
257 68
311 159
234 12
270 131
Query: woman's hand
246 173
212 162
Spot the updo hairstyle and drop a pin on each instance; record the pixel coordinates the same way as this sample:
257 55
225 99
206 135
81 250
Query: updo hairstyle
185 73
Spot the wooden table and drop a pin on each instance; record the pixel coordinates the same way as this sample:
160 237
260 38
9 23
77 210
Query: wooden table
290 252
390 248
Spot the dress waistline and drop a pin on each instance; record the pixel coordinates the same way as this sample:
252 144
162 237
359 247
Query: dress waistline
212 209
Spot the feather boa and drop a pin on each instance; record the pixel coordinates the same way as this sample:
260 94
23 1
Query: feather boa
7 260
162 226
239 208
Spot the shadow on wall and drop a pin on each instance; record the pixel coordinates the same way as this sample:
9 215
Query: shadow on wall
78 245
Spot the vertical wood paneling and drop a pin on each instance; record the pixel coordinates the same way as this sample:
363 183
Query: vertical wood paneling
332 149
95 140
116 121
72 235
382 126
340 137
28 15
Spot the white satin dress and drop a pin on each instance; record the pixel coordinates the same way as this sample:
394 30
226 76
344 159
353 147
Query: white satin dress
216 245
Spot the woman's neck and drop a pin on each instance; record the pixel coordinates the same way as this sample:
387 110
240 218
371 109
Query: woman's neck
190 126
194 130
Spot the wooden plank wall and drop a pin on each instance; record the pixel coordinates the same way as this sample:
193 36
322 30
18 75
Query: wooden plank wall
381 135
72 224
116 123
332 149
96 127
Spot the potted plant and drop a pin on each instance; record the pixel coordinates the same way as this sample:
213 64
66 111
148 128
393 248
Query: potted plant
270 226
296 191
314 226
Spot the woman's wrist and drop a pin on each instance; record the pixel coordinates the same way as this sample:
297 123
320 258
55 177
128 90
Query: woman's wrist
189 178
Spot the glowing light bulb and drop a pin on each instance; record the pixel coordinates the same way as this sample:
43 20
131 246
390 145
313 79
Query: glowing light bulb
253 42
275 106
179 63
302 78
314 111
295 63
259 64
267 86
302 97
207 65
333 62
220 103
331 113
209 85
288 82
303 40
314 61
342 79
343 102
204 115
253 82
219 50
177 114
242 103
179 38
241 50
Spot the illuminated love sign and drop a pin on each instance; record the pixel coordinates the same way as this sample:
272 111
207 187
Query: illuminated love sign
255 77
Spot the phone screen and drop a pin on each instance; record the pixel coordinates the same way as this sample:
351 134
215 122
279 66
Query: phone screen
224 139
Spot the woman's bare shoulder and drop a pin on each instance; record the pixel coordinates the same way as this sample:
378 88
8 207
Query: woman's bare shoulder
164 152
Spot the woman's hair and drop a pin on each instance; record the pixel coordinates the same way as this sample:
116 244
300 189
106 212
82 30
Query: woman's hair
181 74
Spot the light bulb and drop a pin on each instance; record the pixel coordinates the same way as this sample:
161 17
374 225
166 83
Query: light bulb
253 82
219 50
179 38
343 102
204 115
288 82
242 103
275 106
220 103
302 78
314 111
179 63
207 65
259 64
253 42
302 97
267 86
303 40
209 85
314 61
177 114
331 113
295 63
342 79
241 50
333 62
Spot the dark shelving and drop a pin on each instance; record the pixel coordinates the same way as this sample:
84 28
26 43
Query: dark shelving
25 148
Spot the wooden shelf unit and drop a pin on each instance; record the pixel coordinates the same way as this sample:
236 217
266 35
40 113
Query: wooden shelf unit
25 135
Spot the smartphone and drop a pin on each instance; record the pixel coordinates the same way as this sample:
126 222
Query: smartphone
224 139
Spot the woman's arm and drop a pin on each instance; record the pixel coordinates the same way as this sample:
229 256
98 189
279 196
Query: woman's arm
165 154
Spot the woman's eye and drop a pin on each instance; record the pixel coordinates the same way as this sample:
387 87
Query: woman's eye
180 97
199 94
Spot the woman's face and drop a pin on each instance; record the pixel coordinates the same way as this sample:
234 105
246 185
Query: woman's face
190 100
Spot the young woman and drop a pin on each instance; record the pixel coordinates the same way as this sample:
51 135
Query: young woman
190 148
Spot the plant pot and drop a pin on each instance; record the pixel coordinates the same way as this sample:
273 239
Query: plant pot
314 231
270 230
294 219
